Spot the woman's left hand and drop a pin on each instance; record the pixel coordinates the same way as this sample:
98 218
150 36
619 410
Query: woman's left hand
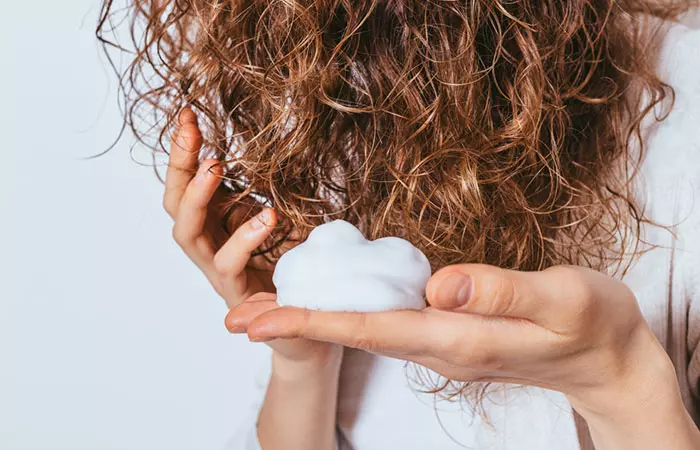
566 328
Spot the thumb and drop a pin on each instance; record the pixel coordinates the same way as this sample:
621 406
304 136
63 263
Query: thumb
492 291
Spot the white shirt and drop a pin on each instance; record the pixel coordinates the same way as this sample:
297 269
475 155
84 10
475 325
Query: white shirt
378 406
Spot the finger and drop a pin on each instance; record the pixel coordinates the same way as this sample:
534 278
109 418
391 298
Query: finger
241 211
542 297
239 317
230 261
182 164
188 230
470 339
373 332
475 288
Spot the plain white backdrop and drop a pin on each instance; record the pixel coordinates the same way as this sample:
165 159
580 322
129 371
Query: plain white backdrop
109 337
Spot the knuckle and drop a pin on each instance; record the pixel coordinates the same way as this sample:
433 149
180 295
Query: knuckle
219 284
473 352
580 293
221 264
582 309
362 340
169 205
503 296
181 236
306 325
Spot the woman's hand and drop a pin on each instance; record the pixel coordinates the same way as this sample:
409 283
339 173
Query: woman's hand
195 202
290 352
193 199
304 372
567 328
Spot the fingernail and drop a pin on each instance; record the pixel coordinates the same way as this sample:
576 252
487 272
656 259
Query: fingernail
186 115
455 290
261 220
259 339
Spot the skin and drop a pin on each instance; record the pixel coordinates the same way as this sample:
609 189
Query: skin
304 372
566 328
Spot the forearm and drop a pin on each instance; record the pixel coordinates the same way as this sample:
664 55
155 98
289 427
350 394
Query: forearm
643 412
666 427
299 411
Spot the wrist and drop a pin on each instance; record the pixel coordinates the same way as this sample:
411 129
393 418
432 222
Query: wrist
641 382
322 365
642 407
658 421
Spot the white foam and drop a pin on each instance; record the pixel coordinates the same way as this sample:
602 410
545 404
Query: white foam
337 269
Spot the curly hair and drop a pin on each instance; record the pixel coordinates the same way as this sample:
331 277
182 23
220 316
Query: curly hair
504 133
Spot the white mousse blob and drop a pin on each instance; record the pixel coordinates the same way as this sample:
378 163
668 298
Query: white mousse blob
337 269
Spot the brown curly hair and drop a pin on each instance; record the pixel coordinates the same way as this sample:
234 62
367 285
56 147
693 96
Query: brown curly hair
504 133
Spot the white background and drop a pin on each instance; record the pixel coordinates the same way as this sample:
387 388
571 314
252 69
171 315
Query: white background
109 337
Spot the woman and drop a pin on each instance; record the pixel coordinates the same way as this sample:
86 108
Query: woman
510 141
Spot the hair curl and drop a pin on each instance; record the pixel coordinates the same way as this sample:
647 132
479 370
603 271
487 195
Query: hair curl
487 131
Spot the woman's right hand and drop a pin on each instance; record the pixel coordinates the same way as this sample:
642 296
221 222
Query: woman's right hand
304 372
194 201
